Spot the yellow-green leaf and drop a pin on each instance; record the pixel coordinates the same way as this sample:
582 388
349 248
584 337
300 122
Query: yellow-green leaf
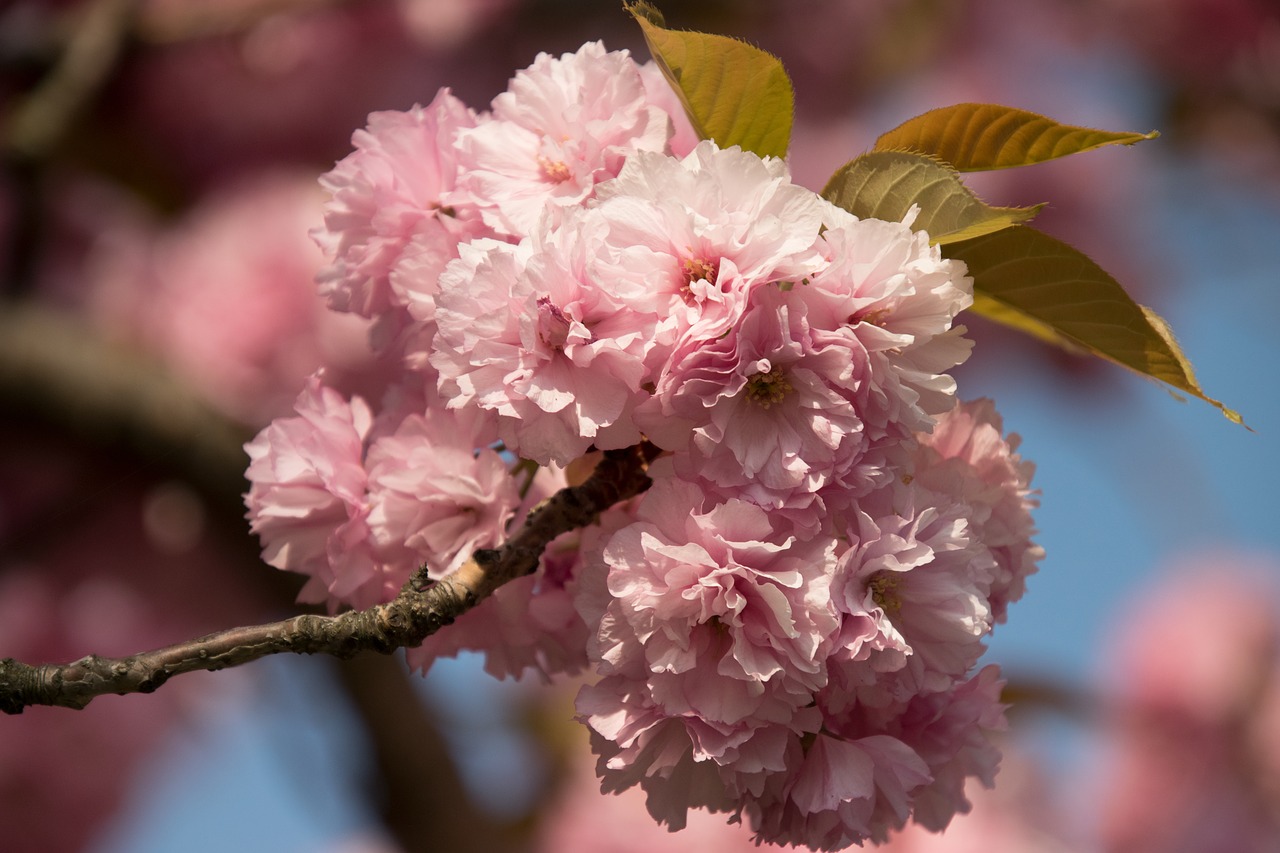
884 185
1033 282
977 137
733 92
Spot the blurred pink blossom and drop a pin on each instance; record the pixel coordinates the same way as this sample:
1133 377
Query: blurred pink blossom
226 297
1191 761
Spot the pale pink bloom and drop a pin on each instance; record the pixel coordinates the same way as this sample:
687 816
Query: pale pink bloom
358 574
682 762
307 483
899 297
914 571
690 238
524 332
532 623
728 620
436 493
415 277
358 504
771 404
918 753
563 126
398 184
967 458
954 733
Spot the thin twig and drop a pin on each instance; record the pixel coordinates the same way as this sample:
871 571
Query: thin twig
422 607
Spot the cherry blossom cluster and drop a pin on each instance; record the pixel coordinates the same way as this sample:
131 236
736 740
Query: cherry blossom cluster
785 626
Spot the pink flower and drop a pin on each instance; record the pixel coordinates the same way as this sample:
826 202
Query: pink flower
770 405
784 626
307 483
899 297
681 762
837 793
396 186
436 493
662 95
563 126
525 333
689 239
967 458
916 575
724 620
953 732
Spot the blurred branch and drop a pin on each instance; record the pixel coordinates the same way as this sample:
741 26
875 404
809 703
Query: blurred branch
59 371
420 609
424 804
1027 693
176 22
43 117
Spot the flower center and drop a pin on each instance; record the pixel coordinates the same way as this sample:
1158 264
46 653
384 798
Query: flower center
555 171
718 626
696 269
873 317
553 325
769 387
884 592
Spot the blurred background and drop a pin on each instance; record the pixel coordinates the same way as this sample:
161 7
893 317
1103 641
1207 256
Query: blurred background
158 165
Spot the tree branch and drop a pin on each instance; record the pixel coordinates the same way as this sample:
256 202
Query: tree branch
420 609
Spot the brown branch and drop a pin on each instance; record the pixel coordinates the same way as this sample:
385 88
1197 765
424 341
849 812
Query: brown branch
420 609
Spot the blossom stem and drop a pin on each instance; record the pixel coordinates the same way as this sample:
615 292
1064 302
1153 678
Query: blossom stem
420 609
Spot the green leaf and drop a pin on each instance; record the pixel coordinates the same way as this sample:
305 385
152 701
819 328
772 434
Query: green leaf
733 92
884 185
1037 284
976 137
